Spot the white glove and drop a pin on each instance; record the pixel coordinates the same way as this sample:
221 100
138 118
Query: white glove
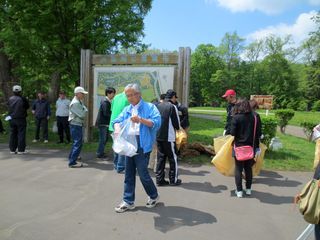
224 132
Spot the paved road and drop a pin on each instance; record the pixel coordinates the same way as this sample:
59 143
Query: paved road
43 199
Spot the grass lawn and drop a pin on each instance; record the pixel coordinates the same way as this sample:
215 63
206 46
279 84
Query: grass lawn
299 116
297 154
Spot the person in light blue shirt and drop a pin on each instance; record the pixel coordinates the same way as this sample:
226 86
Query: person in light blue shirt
62 115
146 121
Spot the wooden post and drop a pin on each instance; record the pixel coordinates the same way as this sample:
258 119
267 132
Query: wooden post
86 81
177 84
186 77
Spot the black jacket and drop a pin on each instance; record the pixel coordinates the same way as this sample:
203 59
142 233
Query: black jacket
169 121
229 118
104 113
242 127
41 108
183 115
18 106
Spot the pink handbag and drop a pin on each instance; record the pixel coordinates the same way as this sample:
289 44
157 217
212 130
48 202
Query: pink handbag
244 153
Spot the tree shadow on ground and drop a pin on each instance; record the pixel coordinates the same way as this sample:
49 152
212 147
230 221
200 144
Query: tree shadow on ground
183 171
173 217
204 187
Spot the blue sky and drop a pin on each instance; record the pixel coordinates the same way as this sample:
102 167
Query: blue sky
187 23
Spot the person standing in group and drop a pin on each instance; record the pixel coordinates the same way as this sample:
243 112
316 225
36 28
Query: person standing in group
77 114
62 115
103 120
183 115
166 138
230 97
246 129
119 102
147 120
17 114
153 155
41 111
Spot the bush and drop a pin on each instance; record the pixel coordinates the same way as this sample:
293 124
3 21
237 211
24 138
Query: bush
316 106
302 106
283 116
308 128
269 129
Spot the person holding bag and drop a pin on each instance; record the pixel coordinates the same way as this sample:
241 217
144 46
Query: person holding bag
246 129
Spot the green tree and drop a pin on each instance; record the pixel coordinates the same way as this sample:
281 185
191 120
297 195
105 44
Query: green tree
45 37
205 61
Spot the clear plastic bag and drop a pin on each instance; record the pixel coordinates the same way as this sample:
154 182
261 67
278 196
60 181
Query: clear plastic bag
125 143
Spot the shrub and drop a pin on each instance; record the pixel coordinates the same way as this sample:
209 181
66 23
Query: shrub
268 128
283 116
302 106
308 128
316 106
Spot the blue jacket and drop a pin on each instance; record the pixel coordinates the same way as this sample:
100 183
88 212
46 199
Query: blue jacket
147 134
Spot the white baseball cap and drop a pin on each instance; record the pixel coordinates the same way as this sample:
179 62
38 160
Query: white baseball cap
16 88
80 90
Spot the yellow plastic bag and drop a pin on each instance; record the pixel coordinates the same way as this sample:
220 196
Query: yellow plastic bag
181 138
316 154
256 168
219 142
223 160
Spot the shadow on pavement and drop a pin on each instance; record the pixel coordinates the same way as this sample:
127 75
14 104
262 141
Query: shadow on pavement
173 217
183 171
277 182
203 187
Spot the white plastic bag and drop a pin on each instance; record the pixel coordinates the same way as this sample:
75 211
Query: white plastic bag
125 143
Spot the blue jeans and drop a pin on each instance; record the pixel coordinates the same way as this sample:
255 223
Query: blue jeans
138 162
119 162
76 134
103 133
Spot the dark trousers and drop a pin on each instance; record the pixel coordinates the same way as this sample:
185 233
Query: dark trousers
1 127
317 231
42 123
167 150
17 135
63 127
247 167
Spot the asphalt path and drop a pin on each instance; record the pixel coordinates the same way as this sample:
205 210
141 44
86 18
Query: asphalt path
42 199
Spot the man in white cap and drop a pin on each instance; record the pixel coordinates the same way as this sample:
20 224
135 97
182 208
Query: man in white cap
77 114
17 115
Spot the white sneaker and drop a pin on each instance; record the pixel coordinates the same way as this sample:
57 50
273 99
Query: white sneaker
45 141
34 140
152 202
12 152
123 206
248 192
239 194
21 153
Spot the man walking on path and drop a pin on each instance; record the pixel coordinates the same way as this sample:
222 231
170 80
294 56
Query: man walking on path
146 120
41 111
62 114
166 140
77 114
230 97
119 102
17 115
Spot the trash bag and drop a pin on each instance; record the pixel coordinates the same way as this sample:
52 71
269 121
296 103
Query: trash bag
181 138
55 127
316 154
223 160
219 142
125 143
256 168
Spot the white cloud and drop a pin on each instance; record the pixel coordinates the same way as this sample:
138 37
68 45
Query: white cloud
266 6
299 30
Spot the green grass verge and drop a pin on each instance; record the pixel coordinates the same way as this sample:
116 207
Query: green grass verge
297 154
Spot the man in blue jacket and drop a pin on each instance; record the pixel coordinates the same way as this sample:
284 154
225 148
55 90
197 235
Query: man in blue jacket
41 111
146 120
